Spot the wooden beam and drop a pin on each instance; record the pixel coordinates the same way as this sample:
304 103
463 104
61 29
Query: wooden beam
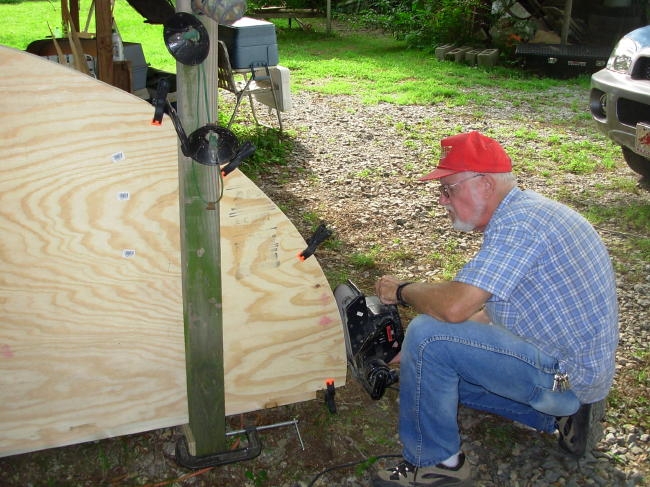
74 14
201 261
73 9
103 34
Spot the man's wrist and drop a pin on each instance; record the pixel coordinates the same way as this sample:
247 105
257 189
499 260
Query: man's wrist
398 293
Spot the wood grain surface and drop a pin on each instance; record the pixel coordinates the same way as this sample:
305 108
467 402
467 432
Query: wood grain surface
282 329
91 327
91 331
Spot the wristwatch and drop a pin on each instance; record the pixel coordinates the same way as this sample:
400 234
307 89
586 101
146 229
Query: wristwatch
398 293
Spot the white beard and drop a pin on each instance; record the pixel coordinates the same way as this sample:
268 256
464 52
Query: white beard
462 226
465 226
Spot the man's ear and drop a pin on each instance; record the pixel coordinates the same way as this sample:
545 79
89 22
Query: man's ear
488 184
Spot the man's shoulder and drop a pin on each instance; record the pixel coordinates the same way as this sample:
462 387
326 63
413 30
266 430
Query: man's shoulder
528 197
533 205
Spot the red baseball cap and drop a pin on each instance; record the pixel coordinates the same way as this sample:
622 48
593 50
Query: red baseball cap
471 151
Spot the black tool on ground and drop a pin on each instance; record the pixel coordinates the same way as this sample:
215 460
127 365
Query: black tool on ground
321 234
373 337
209 145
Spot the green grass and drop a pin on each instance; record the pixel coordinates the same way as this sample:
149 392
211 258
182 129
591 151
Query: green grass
29 21
363 260
636 217
382 69
32 20
449 259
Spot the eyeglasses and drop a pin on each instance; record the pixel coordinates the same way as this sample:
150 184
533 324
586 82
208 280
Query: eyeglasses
445 188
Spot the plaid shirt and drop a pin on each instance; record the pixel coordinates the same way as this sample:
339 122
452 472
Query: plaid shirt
552 283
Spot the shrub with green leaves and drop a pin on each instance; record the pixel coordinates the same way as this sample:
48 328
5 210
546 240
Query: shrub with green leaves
427 23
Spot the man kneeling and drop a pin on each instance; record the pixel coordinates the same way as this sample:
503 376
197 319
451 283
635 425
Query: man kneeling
527 329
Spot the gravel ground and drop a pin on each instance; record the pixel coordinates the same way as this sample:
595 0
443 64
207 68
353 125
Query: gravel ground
355 168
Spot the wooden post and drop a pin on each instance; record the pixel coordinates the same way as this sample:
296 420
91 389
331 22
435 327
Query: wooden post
73 9
103 32
74 14
201 259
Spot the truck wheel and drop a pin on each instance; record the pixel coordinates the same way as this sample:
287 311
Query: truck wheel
637 163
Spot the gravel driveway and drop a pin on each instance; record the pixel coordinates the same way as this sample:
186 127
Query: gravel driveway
356 168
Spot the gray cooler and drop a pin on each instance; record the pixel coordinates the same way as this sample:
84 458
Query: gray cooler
250 42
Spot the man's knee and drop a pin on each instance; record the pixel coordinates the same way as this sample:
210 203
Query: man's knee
422 329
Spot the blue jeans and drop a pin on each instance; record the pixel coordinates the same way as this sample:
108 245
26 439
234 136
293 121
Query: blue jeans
484 367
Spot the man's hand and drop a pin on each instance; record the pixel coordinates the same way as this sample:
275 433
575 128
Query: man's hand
386 289
449 301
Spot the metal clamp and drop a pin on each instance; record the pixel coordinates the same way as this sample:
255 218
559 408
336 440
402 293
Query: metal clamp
185 459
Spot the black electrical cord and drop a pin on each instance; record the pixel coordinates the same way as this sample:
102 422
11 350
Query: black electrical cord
351 464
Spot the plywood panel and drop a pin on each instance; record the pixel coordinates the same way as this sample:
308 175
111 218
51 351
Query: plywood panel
91 332
282 329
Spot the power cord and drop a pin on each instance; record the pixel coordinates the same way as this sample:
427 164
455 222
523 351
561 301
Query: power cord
369 461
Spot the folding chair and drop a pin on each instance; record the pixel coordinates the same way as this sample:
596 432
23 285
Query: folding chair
256 80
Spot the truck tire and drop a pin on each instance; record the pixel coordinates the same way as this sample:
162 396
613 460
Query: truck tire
638 164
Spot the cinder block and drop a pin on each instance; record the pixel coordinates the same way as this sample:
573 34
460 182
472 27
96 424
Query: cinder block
487 57
457 54
470 56
442 50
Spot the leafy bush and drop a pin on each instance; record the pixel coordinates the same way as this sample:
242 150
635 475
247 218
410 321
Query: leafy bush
423 24
427 23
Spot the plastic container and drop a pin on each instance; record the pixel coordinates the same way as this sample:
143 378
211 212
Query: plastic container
118 47
250 42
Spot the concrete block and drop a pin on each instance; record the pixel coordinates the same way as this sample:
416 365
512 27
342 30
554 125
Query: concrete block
487 57
457 54
470 56
442 50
